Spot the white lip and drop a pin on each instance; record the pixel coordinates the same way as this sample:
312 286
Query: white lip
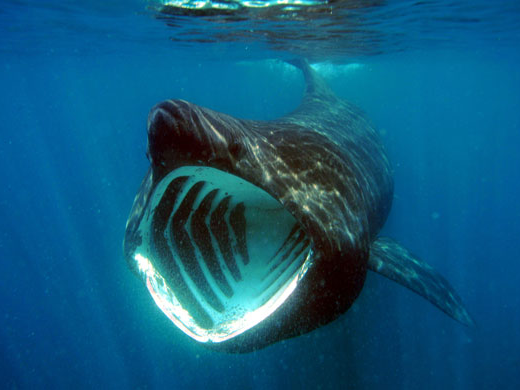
278 256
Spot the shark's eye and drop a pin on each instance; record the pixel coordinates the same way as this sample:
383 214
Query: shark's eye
219 254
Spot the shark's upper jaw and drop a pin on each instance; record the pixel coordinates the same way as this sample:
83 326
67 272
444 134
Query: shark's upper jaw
218 254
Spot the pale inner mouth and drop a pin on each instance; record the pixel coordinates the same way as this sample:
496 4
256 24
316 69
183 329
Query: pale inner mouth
218 254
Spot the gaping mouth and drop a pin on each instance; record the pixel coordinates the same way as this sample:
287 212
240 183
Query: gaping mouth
218 254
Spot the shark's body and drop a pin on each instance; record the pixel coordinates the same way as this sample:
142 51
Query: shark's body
250 232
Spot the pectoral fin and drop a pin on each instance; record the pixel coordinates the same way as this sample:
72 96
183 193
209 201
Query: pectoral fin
391 260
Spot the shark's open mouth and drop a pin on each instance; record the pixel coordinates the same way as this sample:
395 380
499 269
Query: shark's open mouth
218 254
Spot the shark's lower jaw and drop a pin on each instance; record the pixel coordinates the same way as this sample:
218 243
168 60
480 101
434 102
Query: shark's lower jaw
218 254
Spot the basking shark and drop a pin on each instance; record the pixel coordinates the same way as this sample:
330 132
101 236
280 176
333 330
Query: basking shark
249 232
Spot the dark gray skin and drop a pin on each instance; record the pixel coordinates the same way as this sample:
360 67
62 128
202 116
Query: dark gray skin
326 165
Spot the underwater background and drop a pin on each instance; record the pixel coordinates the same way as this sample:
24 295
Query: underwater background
440 80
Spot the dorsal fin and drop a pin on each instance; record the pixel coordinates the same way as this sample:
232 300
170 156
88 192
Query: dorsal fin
316 87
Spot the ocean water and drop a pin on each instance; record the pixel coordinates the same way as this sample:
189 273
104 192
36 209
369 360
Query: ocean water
441 81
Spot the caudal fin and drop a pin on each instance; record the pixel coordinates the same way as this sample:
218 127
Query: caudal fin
395 262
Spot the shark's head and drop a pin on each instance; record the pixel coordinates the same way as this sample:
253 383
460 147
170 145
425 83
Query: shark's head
231 217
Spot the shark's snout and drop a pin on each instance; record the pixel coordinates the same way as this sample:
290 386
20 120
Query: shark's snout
176 134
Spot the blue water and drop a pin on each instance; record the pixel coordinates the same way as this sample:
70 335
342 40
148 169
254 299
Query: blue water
77 81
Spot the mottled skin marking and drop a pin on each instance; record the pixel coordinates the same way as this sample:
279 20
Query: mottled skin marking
326 165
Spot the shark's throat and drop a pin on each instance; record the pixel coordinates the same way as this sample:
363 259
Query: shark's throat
218 254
